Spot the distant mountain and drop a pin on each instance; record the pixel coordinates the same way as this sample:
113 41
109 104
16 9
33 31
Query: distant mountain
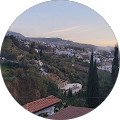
15 34
60 41
32 38
47 40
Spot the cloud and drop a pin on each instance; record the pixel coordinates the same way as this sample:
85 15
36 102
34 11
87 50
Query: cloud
63 30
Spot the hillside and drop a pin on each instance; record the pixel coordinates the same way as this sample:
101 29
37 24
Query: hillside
26 81
15 34
54 40
60 41
23 91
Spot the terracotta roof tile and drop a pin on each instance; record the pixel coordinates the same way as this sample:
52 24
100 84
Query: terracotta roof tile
41 103
70 112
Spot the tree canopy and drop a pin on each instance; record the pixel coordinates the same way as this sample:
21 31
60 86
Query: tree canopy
32 47
92 100
7 43
115 66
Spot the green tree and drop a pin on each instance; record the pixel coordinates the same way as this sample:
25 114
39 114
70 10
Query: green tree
83 49
41 53
32 47
14 40
69 93
95 87
115 66
92 100
7 43
89 84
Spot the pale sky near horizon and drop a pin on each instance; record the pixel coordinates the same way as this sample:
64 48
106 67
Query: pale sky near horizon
66 20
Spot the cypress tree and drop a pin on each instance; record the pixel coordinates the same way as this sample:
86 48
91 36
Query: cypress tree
115 66
32 47
92 99
89 84
69 93
41 53
95 88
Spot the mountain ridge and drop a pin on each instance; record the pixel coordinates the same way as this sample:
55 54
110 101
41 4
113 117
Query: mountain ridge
57 40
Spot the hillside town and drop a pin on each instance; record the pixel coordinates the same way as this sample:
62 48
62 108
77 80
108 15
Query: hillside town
104 60
77 59
59 60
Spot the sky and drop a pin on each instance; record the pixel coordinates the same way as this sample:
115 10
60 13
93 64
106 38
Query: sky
66 20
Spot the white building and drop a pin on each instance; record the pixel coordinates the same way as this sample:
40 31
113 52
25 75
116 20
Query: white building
95 58
3 58
98 60
26 43
88 61
110 59
58 52
39 62
43 72
85 53
44 105
36 50
78 56
74 86
105 67
71 50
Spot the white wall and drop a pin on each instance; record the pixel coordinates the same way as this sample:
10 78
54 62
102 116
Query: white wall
49 111
72 86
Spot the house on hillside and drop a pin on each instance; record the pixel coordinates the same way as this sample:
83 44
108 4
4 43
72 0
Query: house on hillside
3 58
110 59
42 69
78 56
71 50
95 58
69 53
70 113
39 62
43 72
85 53
105 67
98 60
44 105
75 87
62 84
88 61
36 50
26 43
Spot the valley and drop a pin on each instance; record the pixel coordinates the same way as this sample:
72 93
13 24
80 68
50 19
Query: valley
34 70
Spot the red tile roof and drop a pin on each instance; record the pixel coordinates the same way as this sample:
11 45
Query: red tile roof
70 112
41 103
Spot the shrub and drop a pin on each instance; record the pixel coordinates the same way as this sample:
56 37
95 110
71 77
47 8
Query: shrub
10 78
